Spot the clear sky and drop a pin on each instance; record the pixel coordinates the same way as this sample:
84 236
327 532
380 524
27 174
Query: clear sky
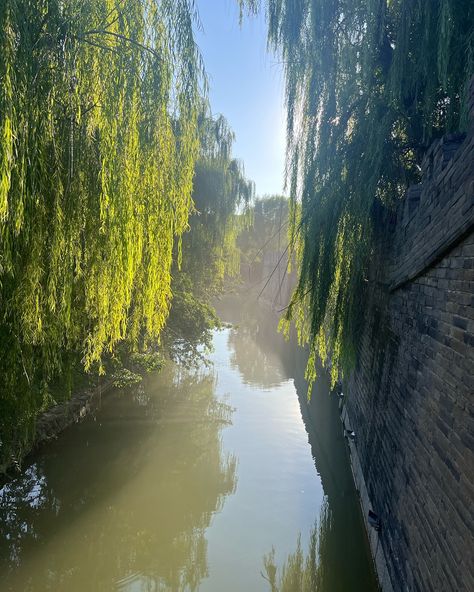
246 86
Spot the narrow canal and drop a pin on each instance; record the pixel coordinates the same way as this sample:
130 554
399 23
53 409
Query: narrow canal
201 480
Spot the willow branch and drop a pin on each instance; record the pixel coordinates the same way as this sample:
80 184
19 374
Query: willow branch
122 38
98 45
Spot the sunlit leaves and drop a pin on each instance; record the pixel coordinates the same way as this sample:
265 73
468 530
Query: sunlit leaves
98 141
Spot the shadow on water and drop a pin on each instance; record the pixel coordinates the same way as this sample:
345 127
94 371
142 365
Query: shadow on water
342 561
122 504
126 500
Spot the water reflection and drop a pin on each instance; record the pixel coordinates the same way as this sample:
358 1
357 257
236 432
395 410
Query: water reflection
255 368
123 501
260 366
343 560
133 499
302 572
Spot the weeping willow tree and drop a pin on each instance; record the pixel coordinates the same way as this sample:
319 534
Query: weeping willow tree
98 140
369 84
221 198
222 195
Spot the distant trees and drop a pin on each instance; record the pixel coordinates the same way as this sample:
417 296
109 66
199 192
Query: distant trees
369 84
267 234
222 198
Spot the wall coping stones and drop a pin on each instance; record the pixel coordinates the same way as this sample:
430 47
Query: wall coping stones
436 214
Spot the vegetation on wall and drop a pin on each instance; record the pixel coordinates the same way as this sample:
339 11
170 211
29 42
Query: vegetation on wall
369 84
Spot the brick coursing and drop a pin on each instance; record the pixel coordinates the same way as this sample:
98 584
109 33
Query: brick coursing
410 398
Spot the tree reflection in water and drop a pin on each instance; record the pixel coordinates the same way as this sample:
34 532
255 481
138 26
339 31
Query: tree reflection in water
263 358
125 503
300 573
257 365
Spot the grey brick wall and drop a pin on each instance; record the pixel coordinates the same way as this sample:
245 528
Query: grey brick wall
410 398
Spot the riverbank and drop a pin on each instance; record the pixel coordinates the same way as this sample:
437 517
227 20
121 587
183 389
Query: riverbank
52 422
85 398
373 534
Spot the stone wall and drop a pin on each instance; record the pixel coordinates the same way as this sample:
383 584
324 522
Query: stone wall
410 399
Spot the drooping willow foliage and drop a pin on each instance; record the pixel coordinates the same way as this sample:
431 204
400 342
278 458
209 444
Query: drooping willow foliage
221 196
369 84
98 141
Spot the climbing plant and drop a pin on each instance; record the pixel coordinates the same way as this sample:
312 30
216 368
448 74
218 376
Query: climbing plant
98 140
369 84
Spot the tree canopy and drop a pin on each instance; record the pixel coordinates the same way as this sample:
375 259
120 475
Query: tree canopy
221 196
369 84
99 102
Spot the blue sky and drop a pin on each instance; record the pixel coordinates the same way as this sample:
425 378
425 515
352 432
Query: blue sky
246 86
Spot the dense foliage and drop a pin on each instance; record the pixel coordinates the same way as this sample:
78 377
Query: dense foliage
221 196
369 84
98 140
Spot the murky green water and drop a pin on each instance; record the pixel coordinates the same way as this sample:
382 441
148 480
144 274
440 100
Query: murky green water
188 484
